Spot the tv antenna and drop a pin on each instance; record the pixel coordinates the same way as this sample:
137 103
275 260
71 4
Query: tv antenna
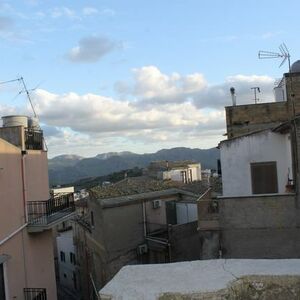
256 90
284 54
24 90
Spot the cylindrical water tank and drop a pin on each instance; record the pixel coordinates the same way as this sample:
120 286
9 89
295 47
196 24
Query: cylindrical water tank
33 123
13 121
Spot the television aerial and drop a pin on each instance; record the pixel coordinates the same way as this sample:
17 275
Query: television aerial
24 90
283 53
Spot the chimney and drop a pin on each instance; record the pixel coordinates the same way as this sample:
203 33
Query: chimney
233 96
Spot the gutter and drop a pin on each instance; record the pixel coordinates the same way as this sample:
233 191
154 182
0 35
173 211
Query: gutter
13 234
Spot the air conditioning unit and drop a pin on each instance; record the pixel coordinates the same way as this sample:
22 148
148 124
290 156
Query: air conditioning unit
156 204
142 249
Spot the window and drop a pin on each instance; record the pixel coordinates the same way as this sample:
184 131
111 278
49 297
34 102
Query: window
2 286
74 280
92 219
183 176
72 258
264 177
62 256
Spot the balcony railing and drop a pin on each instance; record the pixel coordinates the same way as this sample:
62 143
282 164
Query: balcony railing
41 213
35 294
33 139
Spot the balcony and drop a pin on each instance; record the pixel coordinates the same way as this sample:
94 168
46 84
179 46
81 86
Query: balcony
43 215
33 139
35 294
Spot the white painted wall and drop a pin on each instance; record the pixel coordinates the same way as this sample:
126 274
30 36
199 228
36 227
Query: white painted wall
186 212
175 174
237 154
66 269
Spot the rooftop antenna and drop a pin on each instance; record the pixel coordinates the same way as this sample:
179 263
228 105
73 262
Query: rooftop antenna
25 90
284 54
256 90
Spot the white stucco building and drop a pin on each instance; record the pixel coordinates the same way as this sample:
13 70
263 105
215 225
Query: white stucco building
67 261
257 163
181 171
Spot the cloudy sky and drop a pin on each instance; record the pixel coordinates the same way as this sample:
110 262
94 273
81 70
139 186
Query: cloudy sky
139 75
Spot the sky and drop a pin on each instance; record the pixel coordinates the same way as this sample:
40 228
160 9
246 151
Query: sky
139 75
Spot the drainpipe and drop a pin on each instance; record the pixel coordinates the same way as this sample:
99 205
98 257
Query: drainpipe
24 185
144 219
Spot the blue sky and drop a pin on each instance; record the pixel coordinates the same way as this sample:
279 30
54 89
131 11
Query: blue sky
139 75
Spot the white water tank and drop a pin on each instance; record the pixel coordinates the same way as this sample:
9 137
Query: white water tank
13 121
33 123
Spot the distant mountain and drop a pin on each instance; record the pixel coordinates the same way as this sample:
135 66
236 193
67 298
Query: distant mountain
111 154
65 169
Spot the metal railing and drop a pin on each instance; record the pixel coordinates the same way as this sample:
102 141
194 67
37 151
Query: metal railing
35 294
46 212
33 139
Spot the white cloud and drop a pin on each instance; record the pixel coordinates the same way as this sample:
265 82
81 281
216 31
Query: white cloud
6 23
91 49
166 111
152 87
63 11
87 11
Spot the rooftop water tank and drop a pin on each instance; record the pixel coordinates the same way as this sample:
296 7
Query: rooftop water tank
33 123
295 68
13 121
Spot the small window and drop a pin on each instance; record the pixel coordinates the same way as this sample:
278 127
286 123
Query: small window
72 258
62 256
264 178
92 219
75 280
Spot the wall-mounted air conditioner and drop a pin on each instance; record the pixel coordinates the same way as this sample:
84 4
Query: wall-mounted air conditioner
156 204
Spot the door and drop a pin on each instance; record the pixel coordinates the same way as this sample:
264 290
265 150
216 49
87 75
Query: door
2 286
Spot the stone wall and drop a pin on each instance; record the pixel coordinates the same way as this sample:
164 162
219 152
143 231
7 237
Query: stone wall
260 227
243 119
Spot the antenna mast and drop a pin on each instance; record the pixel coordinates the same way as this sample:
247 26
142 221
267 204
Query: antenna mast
284 54
21 80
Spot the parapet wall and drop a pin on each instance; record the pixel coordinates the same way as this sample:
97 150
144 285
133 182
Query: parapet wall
243 119
260 227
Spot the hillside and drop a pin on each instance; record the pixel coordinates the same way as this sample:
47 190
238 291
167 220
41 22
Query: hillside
65 169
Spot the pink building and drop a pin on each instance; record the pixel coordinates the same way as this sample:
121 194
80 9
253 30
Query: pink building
27 213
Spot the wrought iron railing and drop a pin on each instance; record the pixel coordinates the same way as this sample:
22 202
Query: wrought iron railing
33 139
35 294
46 212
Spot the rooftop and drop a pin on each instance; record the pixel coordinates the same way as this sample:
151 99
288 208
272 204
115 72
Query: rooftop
163 165
143 187
195 278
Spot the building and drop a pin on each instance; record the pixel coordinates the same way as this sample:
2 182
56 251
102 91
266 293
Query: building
28 213
139 220
258 214
257 163
210 280
182 171
68 276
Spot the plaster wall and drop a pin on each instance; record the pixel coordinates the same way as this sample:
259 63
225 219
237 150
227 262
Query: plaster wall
37 181
31 262
65 244
260 227
12 213
237 155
